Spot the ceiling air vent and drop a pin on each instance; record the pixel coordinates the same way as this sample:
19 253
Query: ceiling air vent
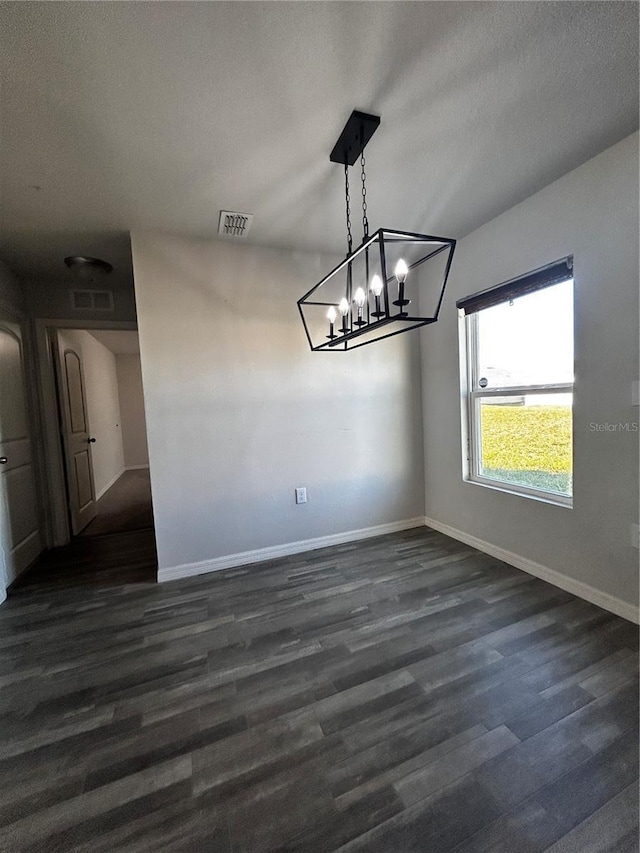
92 300
235 225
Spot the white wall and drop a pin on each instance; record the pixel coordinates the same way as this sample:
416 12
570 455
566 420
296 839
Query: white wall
103 407
239 411
132 420
591 213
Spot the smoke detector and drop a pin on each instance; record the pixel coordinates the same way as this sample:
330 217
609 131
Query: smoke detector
234 225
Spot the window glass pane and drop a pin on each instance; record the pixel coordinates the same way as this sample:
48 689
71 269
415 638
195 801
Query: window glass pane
527 440
528 341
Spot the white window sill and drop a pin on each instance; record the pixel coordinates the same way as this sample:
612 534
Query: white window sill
510 489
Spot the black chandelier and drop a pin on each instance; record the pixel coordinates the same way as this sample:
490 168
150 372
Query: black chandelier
372 290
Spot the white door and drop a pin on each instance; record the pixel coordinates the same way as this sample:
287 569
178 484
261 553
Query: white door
77 441
20 541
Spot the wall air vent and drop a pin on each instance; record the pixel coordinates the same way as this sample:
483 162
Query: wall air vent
234 225
92 300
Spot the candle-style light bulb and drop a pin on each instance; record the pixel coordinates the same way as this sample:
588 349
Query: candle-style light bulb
331 317
343 308
360 298
401 271
376 289
376 285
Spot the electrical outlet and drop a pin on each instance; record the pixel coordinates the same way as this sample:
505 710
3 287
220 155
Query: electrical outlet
301 495
635 535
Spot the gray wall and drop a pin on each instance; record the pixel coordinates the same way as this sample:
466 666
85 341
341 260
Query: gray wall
134 429
592 213
239 412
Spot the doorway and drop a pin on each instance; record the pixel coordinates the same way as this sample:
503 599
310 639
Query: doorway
102 430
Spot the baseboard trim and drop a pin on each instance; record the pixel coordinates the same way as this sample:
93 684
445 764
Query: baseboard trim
136 467
109 484
260 555
578 588
32 545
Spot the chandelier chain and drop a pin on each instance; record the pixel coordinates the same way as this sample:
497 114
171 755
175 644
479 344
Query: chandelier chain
363 175
348 203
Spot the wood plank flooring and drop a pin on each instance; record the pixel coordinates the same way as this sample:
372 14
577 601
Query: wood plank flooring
405 693
125 506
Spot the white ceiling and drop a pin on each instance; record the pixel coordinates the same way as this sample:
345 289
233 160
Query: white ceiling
156 115
119 342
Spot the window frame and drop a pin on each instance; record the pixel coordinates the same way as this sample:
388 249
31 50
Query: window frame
472 395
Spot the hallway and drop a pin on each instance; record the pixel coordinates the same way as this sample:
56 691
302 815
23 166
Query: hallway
118 560
125 506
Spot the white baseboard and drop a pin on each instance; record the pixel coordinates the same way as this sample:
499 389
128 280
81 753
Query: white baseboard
582 590
136 467
109 484
26 553
261 554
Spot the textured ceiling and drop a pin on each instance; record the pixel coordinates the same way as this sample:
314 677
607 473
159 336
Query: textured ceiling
156 115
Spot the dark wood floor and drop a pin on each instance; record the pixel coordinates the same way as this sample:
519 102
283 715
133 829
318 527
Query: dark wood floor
400 694
125 506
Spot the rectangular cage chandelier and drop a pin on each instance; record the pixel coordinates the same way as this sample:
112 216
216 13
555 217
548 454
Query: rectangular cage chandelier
392 282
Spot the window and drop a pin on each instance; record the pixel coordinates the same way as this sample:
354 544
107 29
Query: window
519 384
